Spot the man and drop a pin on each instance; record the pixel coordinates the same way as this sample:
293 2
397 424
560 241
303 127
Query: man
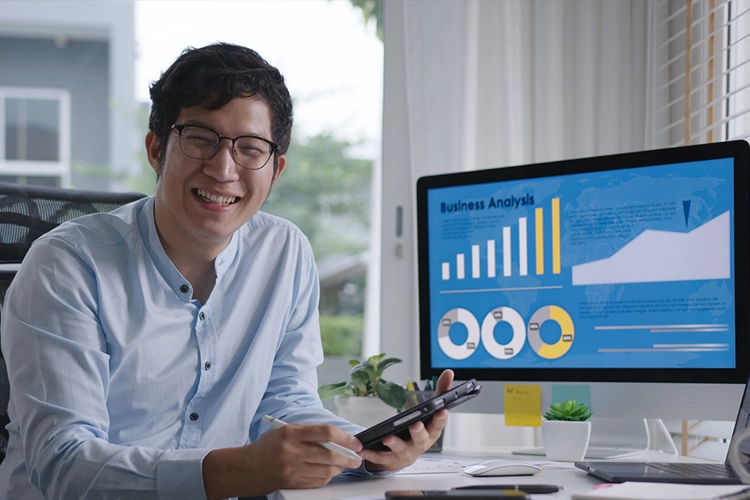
144 346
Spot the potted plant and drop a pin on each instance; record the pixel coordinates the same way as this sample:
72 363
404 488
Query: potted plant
566 431
366 399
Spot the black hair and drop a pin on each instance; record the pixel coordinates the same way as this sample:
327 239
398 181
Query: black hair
211 77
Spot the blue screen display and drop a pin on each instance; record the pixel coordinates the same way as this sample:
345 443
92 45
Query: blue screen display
628 268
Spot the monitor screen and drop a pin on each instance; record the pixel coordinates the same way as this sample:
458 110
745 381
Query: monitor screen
623 268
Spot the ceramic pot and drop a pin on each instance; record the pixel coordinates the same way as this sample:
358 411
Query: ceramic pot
363 410
565 441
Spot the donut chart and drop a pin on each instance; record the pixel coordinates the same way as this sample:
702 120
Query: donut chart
463 351
562 318
500 315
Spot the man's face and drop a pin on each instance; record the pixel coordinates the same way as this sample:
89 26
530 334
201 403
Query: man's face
203 202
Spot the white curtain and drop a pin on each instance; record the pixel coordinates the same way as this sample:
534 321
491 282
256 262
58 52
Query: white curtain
494 83
474 84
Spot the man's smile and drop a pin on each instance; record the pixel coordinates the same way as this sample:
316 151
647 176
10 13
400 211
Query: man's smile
219 200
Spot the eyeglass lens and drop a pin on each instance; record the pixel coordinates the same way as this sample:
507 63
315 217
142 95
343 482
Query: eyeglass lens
202 143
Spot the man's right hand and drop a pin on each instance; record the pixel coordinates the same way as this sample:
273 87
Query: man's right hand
287 457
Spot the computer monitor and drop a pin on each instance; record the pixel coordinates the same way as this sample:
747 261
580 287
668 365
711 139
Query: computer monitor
628 273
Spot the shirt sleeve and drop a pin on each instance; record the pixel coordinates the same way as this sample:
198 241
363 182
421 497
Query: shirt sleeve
58 367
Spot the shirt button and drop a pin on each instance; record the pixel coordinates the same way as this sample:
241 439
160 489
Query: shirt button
207 366
194 416
202 316
184 289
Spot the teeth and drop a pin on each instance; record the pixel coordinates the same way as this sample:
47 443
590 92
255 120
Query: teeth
220 200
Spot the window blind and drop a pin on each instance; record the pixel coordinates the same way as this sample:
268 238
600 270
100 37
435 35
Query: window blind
700 71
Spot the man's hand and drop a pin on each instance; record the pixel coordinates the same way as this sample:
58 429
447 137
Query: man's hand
287 457
404 453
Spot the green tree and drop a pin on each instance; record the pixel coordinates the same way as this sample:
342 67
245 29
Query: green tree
371 9
326 192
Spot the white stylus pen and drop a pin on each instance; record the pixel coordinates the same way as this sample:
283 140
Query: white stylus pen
341 450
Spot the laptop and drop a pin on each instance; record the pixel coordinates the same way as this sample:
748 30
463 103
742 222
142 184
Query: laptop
673 472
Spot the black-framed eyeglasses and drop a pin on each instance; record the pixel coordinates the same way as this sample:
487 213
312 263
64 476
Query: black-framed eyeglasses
249 151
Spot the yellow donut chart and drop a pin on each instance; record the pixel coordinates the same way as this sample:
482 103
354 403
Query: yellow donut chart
562 318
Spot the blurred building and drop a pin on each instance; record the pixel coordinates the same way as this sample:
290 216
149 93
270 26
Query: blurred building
67 100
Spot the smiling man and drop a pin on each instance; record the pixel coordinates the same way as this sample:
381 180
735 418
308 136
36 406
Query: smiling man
144 346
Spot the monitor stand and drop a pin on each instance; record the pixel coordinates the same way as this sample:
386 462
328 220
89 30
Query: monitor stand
607 436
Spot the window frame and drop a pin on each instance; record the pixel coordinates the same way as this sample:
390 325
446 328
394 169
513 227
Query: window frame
35 168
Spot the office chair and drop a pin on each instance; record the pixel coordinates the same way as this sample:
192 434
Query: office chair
27 212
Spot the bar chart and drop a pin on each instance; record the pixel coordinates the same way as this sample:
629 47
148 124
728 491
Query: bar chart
515 245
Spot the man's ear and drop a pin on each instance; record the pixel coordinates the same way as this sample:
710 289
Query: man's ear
279 169
153 150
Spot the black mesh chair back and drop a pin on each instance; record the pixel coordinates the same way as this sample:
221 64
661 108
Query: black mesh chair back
27 212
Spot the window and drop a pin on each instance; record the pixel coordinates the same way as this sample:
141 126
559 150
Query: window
700 49
34 138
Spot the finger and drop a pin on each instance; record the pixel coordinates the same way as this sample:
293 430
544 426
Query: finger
319 454
395 444
445 382
420 436
331 433
311 448
437 423
312 476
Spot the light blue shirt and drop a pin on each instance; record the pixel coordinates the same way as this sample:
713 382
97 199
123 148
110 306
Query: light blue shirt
121 383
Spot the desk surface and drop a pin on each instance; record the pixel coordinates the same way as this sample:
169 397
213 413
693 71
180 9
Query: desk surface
573 480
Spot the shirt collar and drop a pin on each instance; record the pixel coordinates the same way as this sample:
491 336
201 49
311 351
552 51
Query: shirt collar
147 229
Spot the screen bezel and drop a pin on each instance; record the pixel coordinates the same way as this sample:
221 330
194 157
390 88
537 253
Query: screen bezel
739 151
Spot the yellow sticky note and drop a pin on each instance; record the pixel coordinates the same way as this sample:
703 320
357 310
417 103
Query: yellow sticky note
523 405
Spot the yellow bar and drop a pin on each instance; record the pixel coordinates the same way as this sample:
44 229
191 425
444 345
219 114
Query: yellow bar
555 235
539 212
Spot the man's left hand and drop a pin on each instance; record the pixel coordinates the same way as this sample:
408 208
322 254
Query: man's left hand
404 453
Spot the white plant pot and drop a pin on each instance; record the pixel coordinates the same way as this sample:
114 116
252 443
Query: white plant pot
363 410
565 441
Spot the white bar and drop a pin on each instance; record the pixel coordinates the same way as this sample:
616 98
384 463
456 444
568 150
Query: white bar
490 258
523 258
446 271
460 266
475 261
506 251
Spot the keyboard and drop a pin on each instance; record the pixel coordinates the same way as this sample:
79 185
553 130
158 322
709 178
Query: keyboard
696 470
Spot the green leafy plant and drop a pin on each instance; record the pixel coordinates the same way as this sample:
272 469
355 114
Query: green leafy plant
570 411
367 380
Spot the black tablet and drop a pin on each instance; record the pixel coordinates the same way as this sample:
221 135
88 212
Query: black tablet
399 424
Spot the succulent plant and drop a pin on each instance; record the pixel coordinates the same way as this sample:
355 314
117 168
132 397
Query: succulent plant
366 380
570 411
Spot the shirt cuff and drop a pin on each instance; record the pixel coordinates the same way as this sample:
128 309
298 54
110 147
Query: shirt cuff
362 471
179 474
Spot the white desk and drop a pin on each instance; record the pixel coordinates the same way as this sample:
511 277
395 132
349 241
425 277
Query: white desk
574 480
